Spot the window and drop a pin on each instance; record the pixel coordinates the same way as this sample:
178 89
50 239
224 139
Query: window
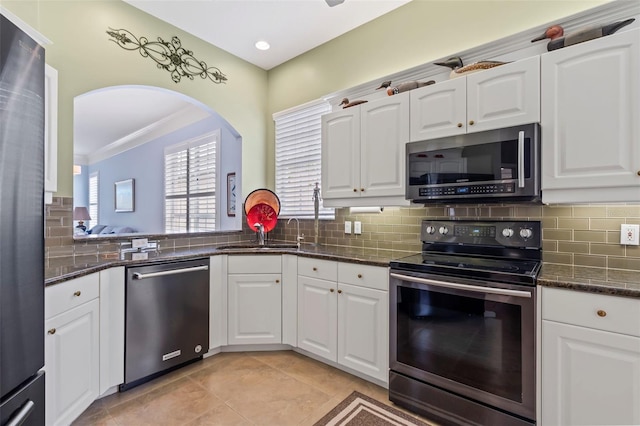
93 200
298 156
190 184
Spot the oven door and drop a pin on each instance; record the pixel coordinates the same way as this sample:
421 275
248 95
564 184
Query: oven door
472 338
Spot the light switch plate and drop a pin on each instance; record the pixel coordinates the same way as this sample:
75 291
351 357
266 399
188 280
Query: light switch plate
357 228
629 234
347 226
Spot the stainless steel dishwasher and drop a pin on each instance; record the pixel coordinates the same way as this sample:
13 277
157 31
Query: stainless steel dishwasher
167 318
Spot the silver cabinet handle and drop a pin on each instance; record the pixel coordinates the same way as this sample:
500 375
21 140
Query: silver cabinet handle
21 416
521 159
139 276
475 288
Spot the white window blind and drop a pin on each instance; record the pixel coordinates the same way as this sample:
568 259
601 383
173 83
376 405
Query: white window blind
298 159
93 200
190 185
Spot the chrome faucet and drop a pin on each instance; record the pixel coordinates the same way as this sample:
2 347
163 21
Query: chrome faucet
299 237
260 233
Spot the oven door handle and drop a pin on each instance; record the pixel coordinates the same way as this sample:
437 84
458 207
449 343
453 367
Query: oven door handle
475 288
521 159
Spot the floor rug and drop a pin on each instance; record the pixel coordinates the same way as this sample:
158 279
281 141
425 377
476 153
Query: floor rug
360 410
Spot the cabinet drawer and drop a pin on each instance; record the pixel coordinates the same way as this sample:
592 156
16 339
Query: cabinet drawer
608 313
364 275
62 297
255 264
315 268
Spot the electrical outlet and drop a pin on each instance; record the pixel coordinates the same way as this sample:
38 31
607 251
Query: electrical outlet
357 228
629 235
347 226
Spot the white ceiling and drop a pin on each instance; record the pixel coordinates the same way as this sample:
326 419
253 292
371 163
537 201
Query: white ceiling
116 119
291 27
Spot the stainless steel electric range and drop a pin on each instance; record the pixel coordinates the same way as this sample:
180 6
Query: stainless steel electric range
463 323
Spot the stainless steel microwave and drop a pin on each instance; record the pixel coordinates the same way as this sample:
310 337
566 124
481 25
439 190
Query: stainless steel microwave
493 166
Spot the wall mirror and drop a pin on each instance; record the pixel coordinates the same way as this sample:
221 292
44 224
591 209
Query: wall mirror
178 152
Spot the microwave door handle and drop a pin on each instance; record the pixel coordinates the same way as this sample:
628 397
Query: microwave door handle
521 159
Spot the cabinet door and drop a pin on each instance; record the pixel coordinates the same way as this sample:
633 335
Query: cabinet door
255 308
363 330
438 110
317 317
341 154
72 362
384 133
590 130
504 96
589 377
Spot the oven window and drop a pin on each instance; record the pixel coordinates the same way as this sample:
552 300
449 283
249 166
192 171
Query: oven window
476 163
469 340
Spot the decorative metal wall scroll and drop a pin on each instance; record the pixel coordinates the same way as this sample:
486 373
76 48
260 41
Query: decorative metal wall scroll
170 56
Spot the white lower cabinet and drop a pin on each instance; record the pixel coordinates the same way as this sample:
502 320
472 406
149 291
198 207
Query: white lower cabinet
343 322
590 374
72 348
254 299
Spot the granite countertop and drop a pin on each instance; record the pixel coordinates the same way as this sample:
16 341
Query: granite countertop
581 278
58 274
614 282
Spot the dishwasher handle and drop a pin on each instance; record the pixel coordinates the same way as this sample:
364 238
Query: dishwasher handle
139 276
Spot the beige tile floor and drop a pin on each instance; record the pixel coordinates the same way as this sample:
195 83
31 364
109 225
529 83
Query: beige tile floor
251 388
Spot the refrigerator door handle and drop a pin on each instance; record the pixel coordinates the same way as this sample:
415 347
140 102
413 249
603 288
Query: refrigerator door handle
22 414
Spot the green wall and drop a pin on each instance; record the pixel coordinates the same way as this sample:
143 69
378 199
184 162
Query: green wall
414 34
86 60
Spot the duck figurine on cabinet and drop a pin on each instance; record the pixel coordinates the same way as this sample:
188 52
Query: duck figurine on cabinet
458 69
558 40
405 86
347 104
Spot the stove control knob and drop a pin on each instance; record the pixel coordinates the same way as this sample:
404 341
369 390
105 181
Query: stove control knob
526 233
444 230
431 229
507 232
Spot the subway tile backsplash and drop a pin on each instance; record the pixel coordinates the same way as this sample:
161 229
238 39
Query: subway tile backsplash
572 235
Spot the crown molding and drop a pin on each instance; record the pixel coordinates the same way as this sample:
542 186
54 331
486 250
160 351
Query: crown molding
175 121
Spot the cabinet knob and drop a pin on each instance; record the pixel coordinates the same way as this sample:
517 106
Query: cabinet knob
52 331
331 290
359 275
315 269
638 172
362 189
277 281
459 124
471 122
601 313
339 291
355 190
77 293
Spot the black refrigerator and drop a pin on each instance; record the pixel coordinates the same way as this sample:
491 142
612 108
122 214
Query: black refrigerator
21 227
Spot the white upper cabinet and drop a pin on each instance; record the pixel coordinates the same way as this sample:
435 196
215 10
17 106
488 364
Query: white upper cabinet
50 133
503 96
590 121
363 153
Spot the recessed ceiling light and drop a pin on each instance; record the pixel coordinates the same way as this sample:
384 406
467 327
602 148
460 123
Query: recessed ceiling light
262 45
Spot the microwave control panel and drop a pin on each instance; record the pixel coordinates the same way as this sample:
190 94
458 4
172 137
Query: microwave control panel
482 189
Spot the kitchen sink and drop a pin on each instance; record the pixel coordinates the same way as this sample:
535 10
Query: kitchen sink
255 246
